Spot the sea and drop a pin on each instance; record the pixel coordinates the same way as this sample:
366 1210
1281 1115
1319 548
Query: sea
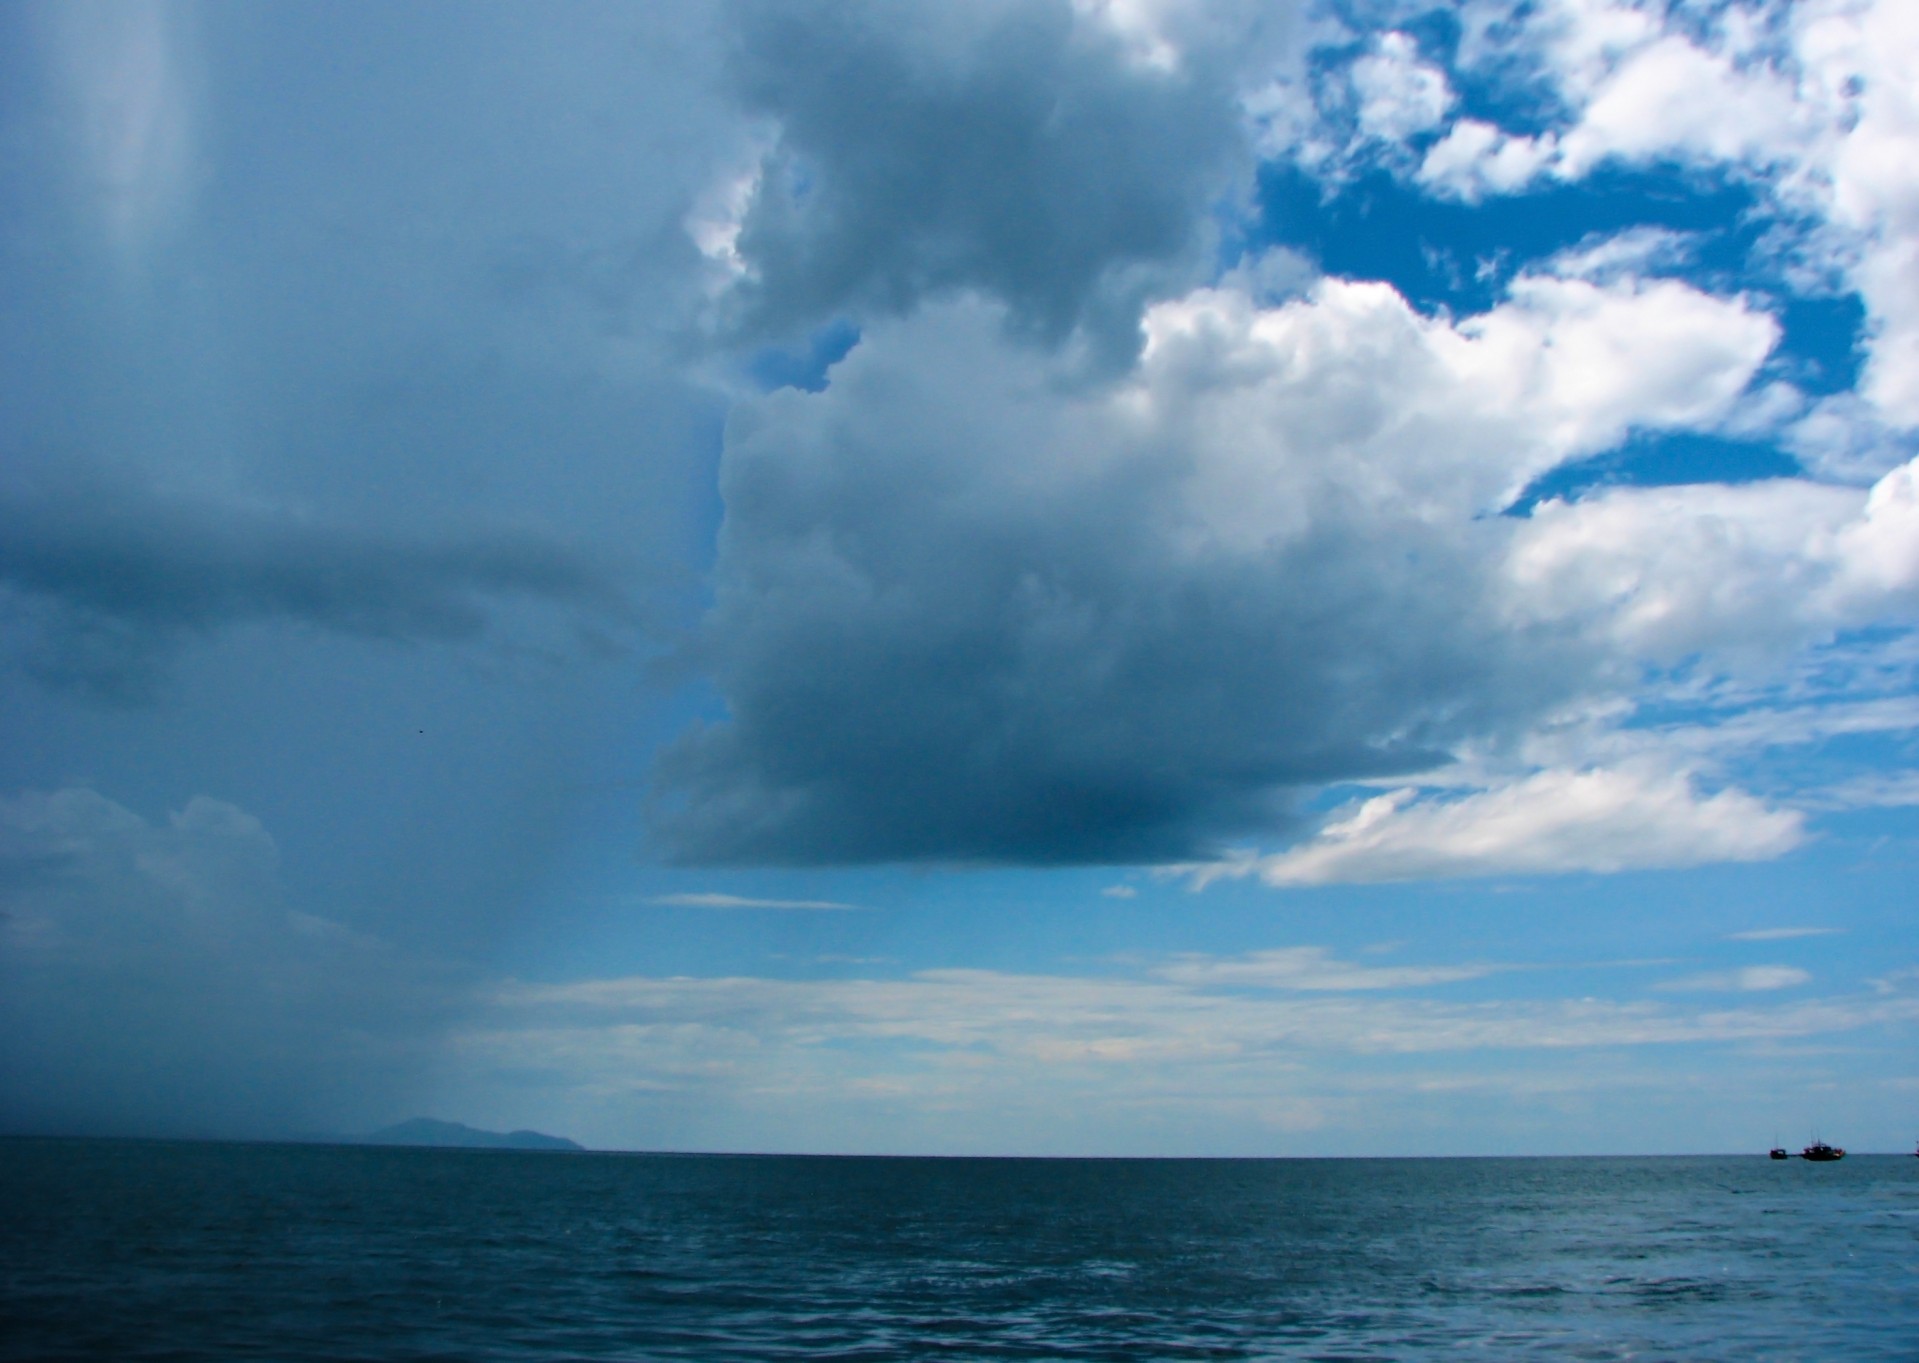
138 1250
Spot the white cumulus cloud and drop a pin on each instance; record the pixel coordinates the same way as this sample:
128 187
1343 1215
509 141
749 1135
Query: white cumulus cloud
1550 822
1813 103
1399 95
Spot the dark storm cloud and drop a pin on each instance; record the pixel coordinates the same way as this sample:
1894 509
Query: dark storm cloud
113 580
961 617
1014 149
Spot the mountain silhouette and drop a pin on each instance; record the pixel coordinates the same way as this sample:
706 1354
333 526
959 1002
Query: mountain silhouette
427 1131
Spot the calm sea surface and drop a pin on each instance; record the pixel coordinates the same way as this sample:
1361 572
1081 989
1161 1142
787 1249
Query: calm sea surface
146 1250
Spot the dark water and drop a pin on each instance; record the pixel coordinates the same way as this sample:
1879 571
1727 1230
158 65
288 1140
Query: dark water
135 1250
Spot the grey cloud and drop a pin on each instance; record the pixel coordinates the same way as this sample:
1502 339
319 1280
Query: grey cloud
152 980
1012 149
401 360
114 579
961 618
419 276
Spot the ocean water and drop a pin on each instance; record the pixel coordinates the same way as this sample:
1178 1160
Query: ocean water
133 1250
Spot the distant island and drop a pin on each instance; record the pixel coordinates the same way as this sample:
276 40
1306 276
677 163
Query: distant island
427 1131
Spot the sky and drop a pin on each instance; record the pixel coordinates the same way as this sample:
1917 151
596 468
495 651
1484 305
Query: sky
1081 577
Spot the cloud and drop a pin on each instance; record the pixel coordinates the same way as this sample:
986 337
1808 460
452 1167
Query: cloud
1116 1021
1670 96
1312 969
1752 979
1811 104
993 1060
1120 892
1757 569
1865 52
1780 934
1020 150
1476 159
1623 255
1845 439
1629 84
965 611
153 980
1398 94
388 384
112 580
1550 822
1894 981
123 78
1880 790
734 901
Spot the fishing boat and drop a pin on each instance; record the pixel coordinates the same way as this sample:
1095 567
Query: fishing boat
1821 1153
1780 1152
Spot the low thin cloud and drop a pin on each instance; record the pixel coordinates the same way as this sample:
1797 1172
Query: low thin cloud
1780 934
1876 790
1752 979
1120 892
1203 1012
1894 981
1039 1051
734 901
1311 969
266 1019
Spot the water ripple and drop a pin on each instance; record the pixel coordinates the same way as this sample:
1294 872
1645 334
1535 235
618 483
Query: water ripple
157 1251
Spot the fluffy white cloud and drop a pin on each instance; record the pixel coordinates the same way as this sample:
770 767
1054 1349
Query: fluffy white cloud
1456 417
1640 82
1399 95
1814 101
1669 97
1759 568
1475 159
1843 438
1860 54
1550 822
1341 121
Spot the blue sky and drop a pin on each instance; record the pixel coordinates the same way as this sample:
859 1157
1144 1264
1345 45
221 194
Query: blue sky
1129 577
